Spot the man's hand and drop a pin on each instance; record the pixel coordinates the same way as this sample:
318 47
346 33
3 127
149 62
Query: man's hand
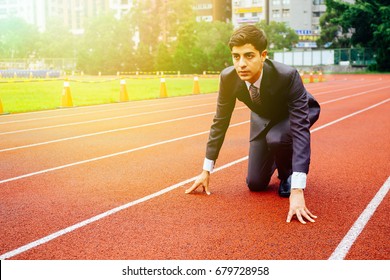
298 207
201 181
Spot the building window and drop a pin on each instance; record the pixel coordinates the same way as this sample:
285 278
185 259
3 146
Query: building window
275 13
285 13
316 14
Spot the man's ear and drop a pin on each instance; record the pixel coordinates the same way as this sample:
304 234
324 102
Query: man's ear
264 55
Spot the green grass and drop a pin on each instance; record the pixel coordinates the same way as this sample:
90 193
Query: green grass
30 96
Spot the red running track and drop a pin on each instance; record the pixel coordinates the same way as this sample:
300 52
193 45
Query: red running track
107 182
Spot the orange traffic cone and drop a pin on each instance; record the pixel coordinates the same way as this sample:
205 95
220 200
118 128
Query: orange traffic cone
2 110
311 77
320 77
163 88
124 97
66 98
196 88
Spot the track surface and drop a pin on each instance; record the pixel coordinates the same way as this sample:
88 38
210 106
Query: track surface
85 182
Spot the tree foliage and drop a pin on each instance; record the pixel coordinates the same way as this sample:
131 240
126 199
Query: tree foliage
366 23
56 41
279 36
17 38
105 46
160 35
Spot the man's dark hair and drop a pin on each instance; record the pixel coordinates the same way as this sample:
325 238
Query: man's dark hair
249 34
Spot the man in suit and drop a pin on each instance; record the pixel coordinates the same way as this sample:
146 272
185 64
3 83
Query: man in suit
282 112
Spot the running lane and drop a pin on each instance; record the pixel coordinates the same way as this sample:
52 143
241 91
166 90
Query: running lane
232 223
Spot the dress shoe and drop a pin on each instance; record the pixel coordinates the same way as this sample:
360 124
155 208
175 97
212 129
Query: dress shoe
285 187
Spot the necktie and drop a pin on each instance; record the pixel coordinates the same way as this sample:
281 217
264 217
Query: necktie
255 94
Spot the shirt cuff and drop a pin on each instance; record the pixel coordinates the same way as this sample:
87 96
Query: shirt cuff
208 165
298 180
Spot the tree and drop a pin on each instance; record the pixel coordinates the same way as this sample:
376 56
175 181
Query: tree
213 38
160 20
371 22
368 24
332 33
143 58
18 39
187 45
163 58
203 46
279 36
56 41
106 46
145 20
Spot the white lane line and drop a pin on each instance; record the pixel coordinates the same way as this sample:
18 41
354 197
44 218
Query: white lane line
110 131
156 123
349 239
353 95
128 107
106 119
116 108
169 141
350 115
341 89
59 233
110 155
105 214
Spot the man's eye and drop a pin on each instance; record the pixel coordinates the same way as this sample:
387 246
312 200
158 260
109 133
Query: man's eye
249 56
236 57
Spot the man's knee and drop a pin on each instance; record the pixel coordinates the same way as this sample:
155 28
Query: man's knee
257 185
279 136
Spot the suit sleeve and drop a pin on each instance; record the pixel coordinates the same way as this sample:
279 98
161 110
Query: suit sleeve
225 106
298 107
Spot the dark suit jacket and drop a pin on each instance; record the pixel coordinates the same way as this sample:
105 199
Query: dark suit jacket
283 96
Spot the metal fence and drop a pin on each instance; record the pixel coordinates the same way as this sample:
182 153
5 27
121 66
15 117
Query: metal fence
344 57
38 64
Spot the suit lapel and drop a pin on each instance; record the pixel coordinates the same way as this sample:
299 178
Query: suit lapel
265 85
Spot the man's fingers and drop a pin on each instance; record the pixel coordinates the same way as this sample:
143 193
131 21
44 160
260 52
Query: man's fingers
307 216
197 185
299 216
289 216
311 215
193 187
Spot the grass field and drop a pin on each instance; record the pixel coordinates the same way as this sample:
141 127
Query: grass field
27 96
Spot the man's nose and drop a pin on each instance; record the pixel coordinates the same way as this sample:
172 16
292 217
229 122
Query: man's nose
242 62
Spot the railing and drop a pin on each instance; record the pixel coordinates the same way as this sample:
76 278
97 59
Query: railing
345 57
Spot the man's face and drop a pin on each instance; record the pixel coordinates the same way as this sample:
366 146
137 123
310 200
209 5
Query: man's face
248 62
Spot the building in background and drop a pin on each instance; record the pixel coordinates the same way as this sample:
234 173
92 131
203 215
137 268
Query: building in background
121 7
32 11
213 10
303 16
73 13
249 11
